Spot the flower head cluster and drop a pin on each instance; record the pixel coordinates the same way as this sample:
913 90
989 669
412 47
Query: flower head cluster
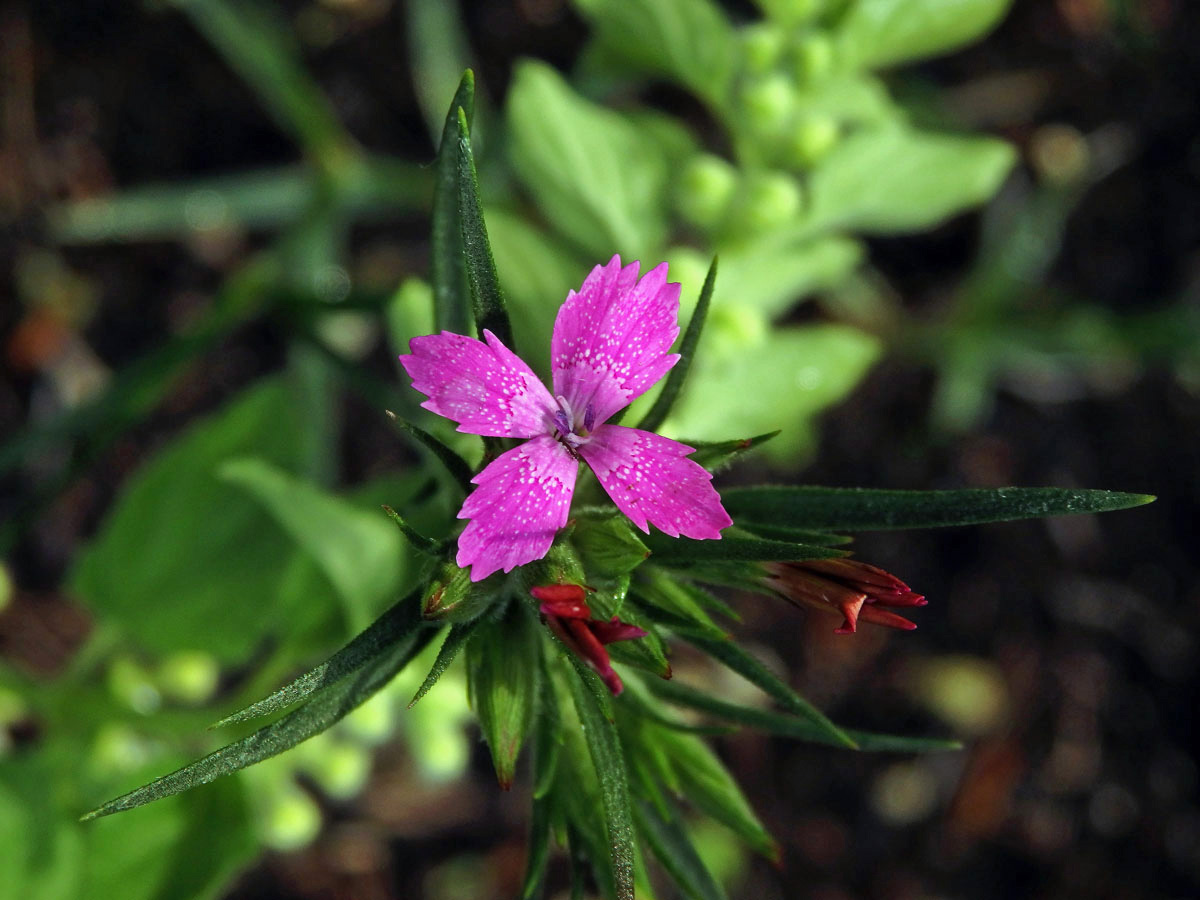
610 345
851 588
566 612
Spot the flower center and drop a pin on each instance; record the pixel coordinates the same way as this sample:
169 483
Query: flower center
570 433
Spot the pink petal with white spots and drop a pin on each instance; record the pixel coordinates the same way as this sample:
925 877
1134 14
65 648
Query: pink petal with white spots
486 388
522 500
611 339
651 479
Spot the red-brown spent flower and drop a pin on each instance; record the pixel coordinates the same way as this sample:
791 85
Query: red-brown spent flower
846 586
567 614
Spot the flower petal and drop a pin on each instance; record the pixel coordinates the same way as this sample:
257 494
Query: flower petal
611 339
486 388
651 480
523 498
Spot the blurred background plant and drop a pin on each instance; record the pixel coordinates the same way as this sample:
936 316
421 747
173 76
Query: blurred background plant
202 308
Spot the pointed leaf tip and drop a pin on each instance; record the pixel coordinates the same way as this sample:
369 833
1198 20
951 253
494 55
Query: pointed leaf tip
687 351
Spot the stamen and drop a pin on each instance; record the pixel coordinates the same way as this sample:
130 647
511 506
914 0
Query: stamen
589 418
564 424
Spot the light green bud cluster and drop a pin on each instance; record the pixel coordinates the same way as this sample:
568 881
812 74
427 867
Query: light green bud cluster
811 139
705 190
783 68
189 677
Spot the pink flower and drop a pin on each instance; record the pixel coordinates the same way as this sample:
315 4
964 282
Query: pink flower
609 347
846 586
568 616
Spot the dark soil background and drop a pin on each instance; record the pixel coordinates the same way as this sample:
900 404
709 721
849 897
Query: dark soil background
1076 638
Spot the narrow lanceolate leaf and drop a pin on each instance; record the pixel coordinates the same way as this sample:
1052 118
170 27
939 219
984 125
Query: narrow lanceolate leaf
545 764
714 455
685 551
447 266
872 742
796 535
672 847
666 399
791 726
395 625
260 47
707 784
595 714
734 657
455 464
456 638
322 710
487 299
502 679
860 509
428 546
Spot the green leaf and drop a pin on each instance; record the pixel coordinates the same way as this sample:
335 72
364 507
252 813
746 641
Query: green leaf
502 678
791 726
321 711
455 464
419 542
264 199
754 382
439 52
357 551
599 180
258 45
669 842
689 41
659 592
608 545
395 625
685 551
893 178
666 399
707 784
486 296
863 509
447 261
180 542
771 274
456 638
870 742
734 657
595 716
805 729
171 851
537 270
648 653
545 765
877 33
715 455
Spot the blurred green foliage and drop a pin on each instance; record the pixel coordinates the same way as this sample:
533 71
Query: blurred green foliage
233 540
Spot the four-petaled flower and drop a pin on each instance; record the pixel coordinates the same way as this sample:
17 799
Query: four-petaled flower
610 345
846 586
567 615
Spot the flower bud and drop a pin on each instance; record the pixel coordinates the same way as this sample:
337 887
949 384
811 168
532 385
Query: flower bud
813 58
453 597
189 677
705 189
847 587
773 199
762 45
341 769
769 102
811 139
290 819
565 610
